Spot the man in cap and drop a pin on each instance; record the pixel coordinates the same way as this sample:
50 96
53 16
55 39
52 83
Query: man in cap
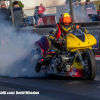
89 5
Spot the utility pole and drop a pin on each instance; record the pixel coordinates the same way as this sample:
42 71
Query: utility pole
12 16
71 9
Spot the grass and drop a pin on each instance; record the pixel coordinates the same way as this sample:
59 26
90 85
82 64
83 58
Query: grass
97 3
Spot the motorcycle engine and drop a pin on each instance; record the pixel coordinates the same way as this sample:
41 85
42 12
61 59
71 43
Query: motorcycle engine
55 63
59 62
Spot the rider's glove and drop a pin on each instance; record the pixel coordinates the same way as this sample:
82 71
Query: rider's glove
55 40
73 27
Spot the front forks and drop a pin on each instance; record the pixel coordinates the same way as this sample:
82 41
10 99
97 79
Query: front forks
80 57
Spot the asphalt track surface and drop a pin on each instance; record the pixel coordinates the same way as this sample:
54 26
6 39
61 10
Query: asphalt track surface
52 88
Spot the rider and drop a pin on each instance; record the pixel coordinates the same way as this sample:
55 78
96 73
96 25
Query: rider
57 37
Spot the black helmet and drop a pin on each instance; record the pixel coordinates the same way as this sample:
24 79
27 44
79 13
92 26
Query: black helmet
87 0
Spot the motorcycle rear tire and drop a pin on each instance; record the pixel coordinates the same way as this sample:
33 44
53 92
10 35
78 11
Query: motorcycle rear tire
92 64
38 67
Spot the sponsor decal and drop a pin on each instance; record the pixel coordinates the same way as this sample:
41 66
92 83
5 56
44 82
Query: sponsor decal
96 35
48 21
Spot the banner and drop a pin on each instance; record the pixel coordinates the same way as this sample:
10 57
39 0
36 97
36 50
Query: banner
48 20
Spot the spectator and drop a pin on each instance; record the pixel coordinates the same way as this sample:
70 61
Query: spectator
41 9
38 13
77 9
98 12
89 5
67 6
4 11
18 12
36 16
77 5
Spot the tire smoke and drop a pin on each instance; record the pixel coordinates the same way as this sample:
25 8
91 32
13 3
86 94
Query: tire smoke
15 48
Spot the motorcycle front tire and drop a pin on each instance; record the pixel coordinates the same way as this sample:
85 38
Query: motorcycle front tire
92 65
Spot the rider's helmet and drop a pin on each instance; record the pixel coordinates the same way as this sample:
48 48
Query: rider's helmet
65 20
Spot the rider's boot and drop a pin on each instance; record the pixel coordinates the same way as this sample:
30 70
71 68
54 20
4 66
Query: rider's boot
44 62
38 67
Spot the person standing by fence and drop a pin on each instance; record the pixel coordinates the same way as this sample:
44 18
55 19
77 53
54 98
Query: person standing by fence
38 13
41 9
4 11
18 12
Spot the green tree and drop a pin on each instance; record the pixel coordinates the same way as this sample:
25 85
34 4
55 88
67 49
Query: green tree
20 4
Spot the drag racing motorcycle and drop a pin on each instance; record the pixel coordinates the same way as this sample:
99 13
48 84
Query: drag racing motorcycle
75 59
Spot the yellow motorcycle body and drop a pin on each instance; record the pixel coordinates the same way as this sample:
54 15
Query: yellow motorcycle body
82 41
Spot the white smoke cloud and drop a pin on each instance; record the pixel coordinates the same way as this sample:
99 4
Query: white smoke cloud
15 48
29 4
